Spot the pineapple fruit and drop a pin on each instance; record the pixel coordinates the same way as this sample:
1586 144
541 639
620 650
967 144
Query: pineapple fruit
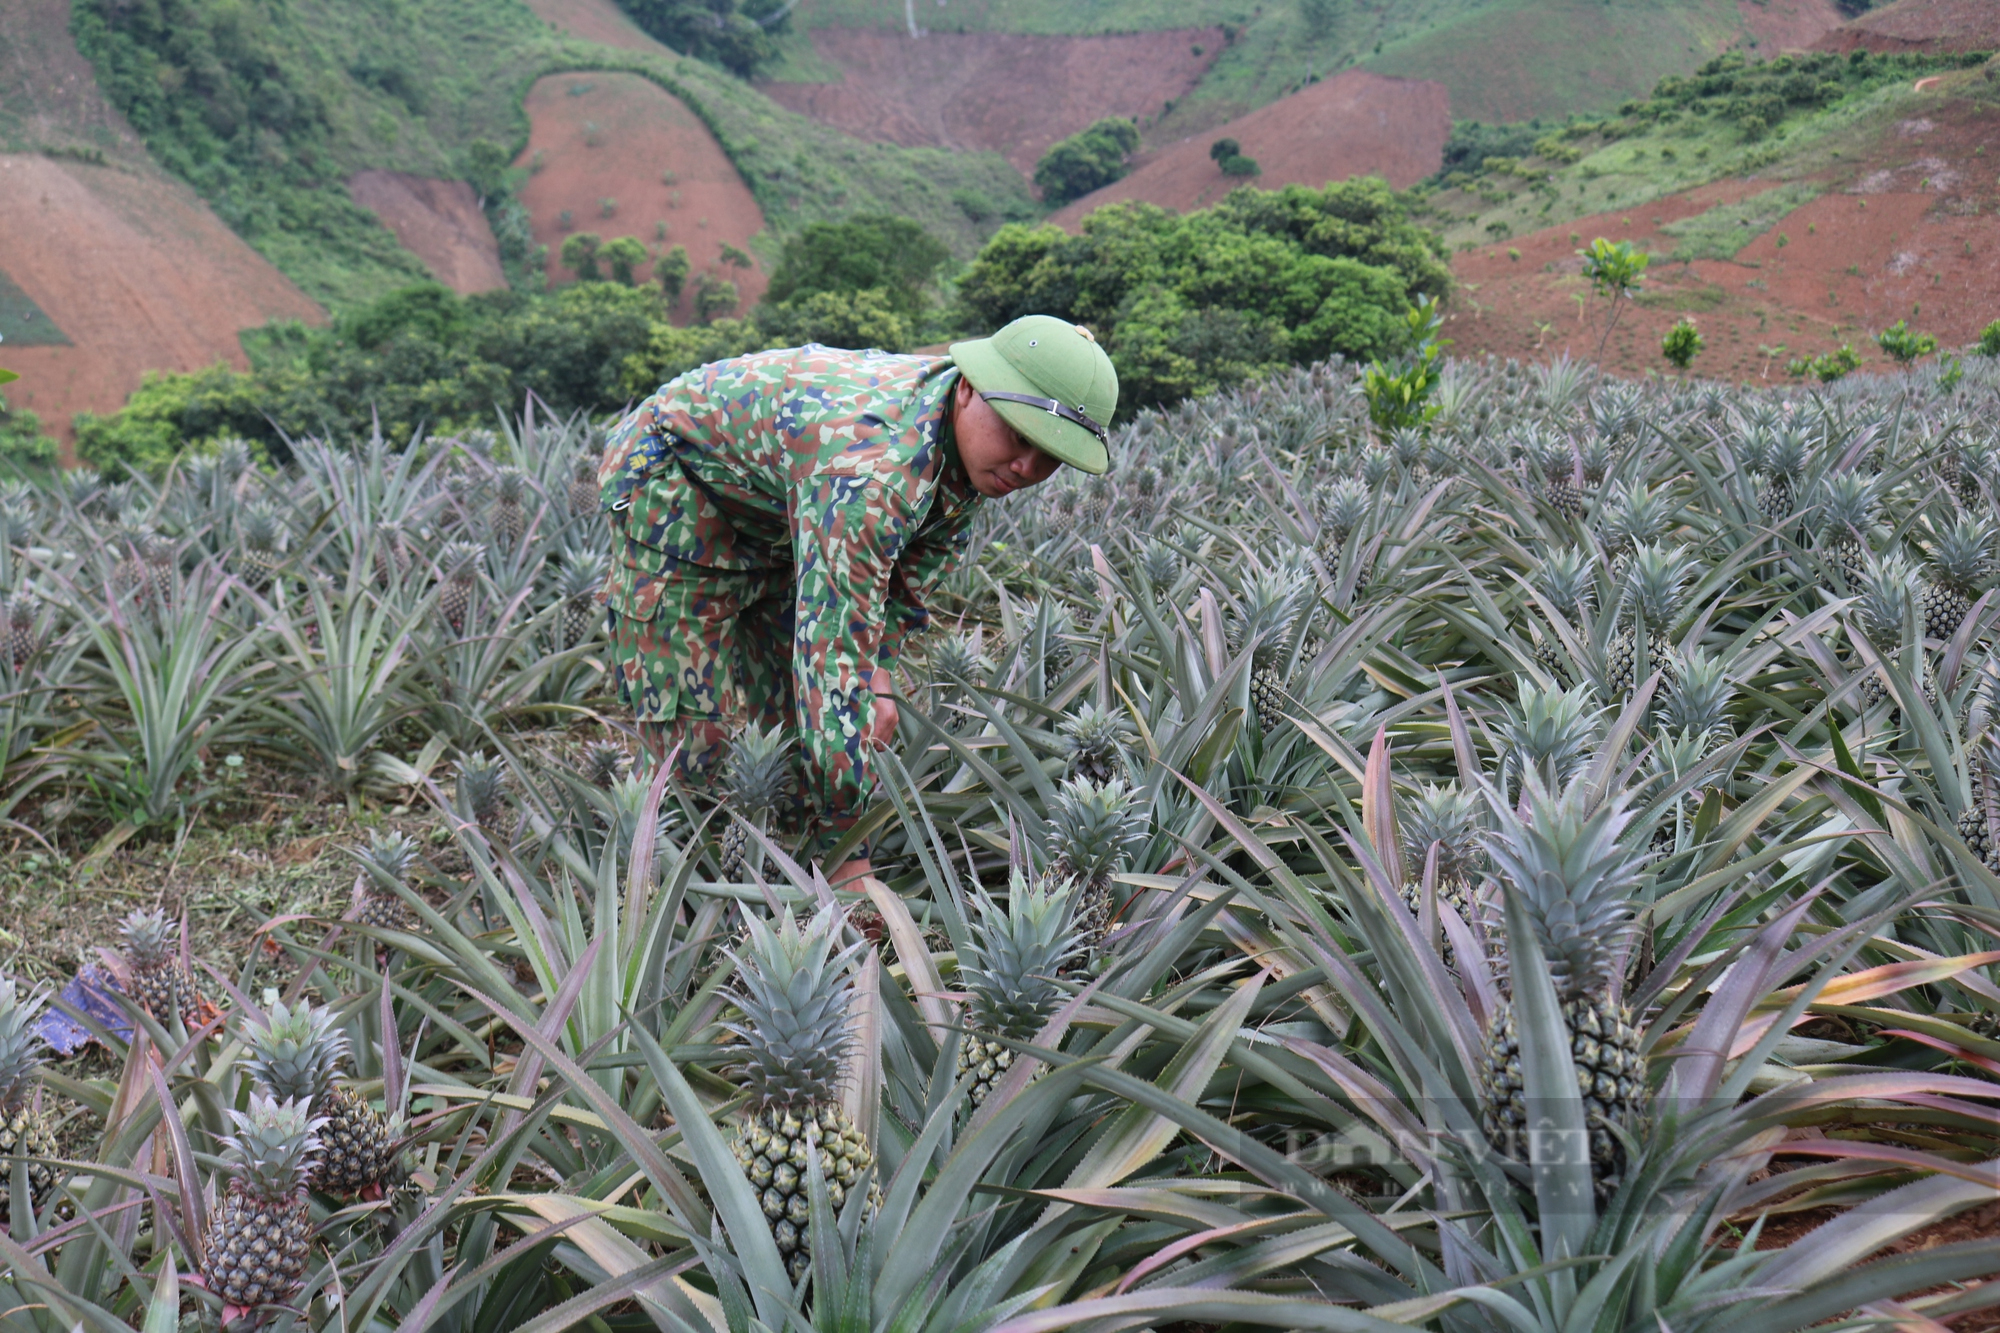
1961 561
1847 510
1574 879
295 1054
152 951
1568 583
1008 969
261 1230
262 539
459 564
1783 463
481 792
1655 583
1096 744
1093 831
385 865
24 1131
793 995
754 781
23 628
582 579
507 516
583 491
1448 819
1557 465
1278 599
1341 512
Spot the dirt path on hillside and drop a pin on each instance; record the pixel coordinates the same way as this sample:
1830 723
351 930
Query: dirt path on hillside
598 137
1354 124
437 221
599 21
994 92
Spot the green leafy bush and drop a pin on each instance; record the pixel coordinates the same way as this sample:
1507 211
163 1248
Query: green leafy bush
1262 279
1399 398
1989 340
739 35
1904 346
1088 160
1239 165
1682 344
22 443
1828 366
891 256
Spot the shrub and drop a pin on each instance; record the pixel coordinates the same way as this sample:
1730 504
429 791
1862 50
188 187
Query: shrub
1223 149
739 35
22 443
1086 161
1903 345
714 297
1827 367
670 270
1989 340
1241 166
579 255
623 255
892 256
1682 344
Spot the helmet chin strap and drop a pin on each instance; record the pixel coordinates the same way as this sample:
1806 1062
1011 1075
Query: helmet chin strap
1052 407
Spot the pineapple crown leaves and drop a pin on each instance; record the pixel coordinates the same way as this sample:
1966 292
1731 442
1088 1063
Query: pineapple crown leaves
1345 506
1884 601
510 485
1847 505
1698 696
1636 516
20 1044
1961 557
481 785
1785 457
1568 579
1096 735
953 657
1094 828
260 528
296 1052
604 763
460 559
792 991
1655 583
275 1146
1161 564
759 763
583 574
1013 952
1551 455
1562 854
1278 598
149 936
1551 733
1449 818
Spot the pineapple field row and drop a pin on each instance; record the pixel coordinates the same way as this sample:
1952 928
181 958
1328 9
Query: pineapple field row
1539 871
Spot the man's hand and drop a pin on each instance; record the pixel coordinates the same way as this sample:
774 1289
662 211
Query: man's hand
883 730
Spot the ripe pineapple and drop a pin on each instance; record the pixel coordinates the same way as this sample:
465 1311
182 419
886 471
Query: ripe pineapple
1961 560
24 631
583 491
460 566
263 545
582 580
386 863
755 777
481 794
1093 831
507 516
24 1132
793 994
295 1054
1449 819
1575 880
1783 463
152 952
1009 967
261 1230
1095 744
1847 509
1654 584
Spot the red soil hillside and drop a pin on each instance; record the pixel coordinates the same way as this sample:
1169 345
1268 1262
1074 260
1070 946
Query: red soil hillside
1788 25
1354 124
127 263
1909 233
1922 25
599 139
1001 92
437 221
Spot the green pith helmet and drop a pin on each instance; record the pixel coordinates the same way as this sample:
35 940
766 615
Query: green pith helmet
1049 380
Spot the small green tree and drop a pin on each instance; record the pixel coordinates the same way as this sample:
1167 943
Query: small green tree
1223 149
1828 367
624 255
1989 340
1400 397
735 258
1615 270
1320 15
1682 344
670 270
1241 166
1086 161
579 255
714 297
1904 346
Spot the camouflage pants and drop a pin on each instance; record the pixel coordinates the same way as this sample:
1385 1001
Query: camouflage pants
715 654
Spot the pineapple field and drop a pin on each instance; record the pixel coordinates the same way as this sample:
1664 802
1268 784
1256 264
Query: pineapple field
1535 869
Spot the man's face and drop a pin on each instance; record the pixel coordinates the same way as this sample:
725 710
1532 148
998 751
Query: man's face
993 454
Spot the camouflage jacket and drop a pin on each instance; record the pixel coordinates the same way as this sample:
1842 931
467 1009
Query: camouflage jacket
839 465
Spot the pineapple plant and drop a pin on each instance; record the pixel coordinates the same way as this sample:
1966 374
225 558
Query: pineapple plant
24 631
392 554
953 663
24 1130
295 1055
1655 583
1096 744
507 514
605 764
1981 816
1063 511
1881 609
1593 459
386 863
481 793
1093 831
1557 465
755 778
1566 866
1847 510
262 545
1278 599
1568 583
793 993
1446 818
1961 561
1008 968
1161 564
1784 461
583 577
152 953
1095 506
1553 733
1697 697
459 564
261 1230
583 490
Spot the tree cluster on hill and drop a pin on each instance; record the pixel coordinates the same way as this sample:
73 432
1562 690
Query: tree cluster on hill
1760 95
1187 304
739 35
1088 160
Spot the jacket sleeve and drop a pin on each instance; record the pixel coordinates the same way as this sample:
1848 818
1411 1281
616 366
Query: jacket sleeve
848 534
914 582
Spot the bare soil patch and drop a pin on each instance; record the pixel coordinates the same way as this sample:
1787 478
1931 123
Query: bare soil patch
1921 25
437 221
601 140
1788 25
137 272
1910 231
1008 93
599 21
1354 124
